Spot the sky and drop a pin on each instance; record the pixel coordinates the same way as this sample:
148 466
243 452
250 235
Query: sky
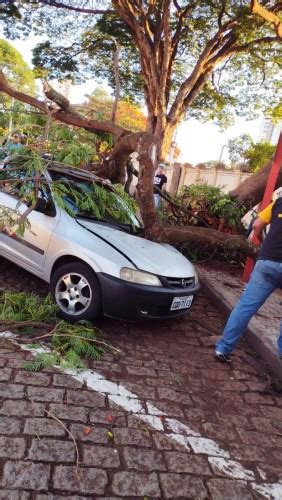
198 142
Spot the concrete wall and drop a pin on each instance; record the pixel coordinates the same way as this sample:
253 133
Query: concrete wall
184 174
226 180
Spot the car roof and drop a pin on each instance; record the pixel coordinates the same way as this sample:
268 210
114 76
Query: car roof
78 173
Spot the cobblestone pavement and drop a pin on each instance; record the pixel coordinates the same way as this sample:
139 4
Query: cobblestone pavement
230 414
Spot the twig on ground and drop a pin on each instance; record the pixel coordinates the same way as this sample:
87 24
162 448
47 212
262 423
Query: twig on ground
4 323
72 437
50 334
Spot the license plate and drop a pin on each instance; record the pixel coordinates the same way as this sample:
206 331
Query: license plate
181 302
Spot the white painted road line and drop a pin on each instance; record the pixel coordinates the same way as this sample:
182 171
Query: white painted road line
219 459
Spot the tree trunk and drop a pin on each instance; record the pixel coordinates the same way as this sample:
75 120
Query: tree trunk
251 190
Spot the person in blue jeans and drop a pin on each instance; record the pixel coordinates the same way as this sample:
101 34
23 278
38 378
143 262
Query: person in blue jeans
265 278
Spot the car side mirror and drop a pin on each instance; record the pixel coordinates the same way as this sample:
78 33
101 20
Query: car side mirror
45 207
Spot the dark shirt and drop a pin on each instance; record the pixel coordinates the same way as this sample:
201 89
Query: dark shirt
271 248
160 180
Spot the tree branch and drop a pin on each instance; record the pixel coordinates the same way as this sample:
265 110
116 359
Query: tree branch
83 10
268 15
67 117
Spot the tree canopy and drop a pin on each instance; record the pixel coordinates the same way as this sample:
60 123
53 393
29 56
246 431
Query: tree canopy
243 151
203 59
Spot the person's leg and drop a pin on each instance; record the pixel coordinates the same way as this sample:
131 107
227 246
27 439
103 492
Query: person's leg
262 283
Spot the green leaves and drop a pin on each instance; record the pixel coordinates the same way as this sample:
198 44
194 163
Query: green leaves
216 208
20 306
28 314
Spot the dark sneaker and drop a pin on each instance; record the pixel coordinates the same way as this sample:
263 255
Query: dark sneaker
222 357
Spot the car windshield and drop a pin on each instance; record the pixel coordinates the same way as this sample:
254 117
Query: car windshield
90 200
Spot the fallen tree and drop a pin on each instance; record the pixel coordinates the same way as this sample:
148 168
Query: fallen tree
114 168
250 191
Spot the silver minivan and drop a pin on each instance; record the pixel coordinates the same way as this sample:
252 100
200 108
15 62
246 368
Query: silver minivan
95 265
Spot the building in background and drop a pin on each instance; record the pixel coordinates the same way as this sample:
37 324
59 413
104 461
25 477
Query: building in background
269 131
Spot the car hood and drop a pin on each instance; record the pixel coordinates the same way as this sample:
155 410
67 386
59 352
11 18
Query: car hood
147 255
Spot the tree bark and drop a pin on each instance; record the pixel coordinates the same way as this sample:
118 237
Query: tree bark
251 190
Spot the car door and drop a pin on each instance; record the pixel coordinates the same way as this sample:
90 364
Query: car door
28 250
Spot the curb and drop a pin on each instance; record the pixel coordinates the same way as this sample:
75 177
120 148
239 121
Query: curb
254 338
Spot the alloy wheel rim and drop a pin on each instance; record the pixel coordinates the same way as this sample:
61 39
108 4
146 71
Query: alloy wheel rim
73 294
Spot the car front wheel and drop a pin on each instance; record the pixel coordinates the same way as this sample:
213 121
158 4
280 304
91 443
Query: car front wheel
76 291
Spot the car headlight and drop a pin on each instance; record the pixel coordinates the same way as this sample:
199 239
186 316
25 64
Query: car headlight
140 277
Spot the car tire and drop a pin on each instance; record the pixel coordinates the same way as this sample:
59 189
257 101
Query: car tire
76 291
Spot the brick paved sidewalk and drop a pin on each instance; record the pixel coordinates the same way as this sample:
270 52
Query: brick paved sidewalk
168 366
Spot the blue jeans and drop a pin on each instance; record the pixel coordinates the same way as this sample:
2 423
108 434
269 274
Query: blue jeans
265 278
158 200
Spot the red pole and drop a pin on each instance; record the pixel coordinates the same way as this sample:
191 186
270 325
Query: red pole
270 187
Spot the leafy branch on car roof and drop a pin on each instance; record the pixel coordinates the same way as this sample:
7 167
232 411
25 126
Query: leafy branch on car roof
23 176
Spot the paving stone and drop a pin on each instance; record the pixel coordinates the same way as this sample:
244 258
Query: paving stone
168 408
15 363
143 460
25 377
68 412
101 417
249 453
5 375
11 391
86 398
127 360
66 381
140 371
172 395
157 365
12 447
43 427
232 385
182 485
3 361
22 408
270 412
130 484
51 450
255 438
141 390
218 432
92 481
163 442
60 497
132 437
229 420
9 425
183 462
26 475
14 495
45 394
99 456
225 489
97 435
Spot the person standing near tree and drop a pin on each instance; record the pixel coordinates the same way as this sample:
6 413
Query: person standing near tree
160 180
265 278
